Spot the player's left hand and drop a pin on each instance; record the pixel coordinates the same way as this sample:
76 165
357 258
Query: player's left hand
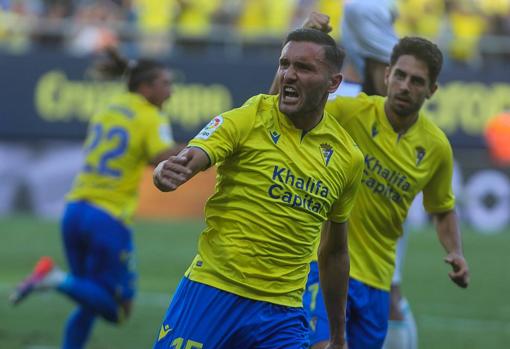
172 173
460 272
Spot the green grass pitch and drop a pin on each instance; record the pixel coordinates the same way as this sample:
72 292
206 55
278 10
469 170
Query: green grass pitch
447 317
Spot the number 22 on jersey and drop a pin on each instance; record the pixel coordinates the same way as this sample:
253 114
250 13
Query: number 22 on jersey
111 143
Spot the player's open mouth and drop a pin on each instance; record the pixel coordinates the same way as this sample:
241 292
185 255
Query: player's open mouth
290 94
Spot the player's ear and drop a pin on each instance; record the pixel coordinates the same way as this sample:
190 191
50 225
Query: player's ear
334 82
432 90
387 72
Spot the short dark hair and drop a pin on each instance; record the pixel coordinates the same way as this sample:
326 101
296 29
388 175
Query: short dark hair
333 53
141 71
422 49
113 65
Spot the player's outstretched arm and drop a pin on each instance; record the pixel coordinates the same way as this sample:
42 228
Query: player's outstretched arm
333 258
178 169
448 232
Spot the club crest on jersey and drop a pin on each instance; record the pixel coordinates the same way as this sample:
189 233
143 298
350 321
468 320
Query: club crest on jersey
420 154
375 130
210 128
275 136
326 151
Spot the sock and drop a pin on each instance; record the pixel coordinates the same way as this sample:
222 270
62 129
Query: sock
78 328
90 295
397 336
402 334
53 279
410 323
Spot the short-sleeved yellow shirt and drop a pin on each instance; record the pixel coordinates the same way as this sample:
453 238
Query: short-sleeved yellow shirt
276 185
397 168
121 140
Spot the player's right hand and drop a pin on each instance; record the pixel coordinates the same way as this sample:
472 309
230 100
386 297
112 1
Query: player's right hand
318 21
171 173
460 273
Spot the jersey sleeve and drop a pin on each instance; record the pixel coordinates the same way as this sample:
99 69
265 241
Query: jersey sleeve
438 193
222 136
342 208
343 108
158 135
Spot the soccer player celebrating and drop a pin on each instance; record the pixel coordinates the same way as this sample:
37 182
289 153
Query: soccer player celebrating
122 138
405 153
368 36
284 167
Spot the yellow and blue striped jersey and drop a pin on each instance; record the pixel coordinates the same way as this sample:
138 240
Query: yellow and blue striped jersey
397 168
121 140
275 186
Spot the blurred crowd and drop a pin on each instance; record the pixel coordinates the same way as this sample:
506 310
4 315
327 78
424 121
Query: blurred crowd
468 30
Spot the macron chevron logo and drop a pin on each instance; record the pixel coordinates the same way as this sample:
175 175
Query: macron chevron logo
275 136
164 331
375 130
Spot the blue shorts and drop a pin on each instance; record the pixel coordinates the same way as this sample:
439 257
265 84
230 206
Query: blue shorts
367 315
201 316
100 248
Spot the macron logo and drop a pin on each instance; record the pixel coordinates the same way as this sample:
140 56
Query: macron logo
164 331
275 136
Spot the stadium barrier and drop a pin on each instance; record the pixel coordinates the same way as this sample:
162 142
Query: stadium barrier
53 100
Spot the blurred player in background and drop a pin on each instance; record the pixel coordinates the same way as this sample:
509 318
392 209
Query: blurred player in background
369 36
405 154
285 167
122 139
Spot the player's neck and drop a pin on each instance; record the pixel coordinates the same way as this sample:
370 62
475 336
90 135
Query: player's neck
306 122
400 123
310 116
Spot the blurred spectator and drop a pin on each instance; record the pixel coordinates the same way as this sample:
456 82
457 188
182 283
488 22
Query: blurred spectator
266 17
94 27
51 17
195 16
420 17
154 21
496 50
152 26
467 27
334 9
15 24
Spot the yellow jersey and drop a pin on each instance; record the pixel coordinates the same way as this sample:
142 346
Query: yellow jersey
276 185
122 139
397 168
